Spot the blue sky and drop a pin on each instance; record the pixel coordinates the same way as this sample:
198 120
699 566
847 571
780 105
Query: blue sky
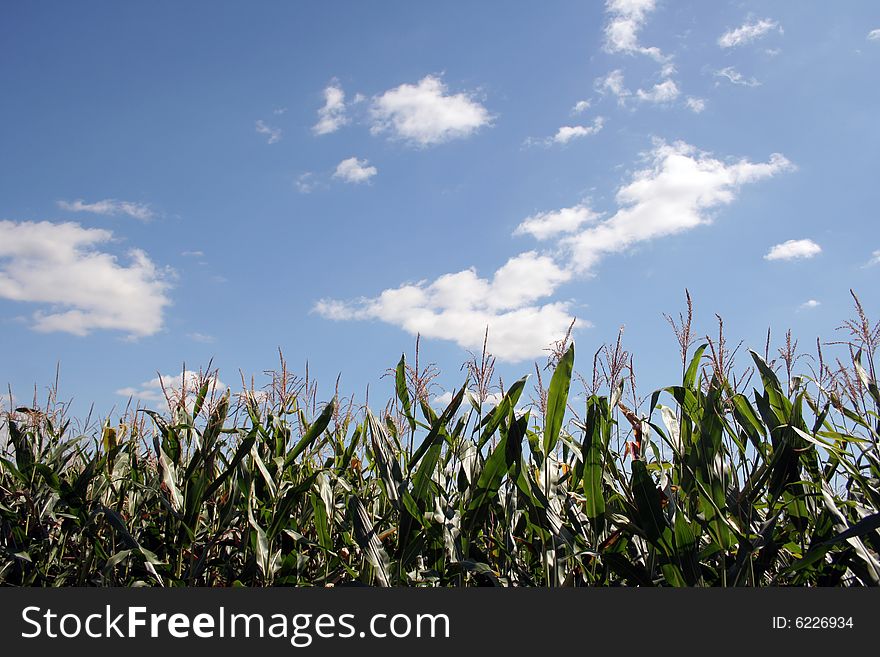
187 181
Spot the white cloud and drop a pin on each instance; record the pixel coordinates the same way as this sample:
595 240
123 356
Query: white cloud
613 84
663 92
331 116
568 132
580 107
273 134
59 265
626 20
193 254
748 33
735 77
874 35
695 105
875 259
151 391
110 207
305 183
793 249
424 114
545 225
278 111
460 306
809 304
353 170
672 195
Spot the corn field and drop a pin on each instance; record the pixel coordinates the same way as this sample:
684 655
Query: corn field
765 477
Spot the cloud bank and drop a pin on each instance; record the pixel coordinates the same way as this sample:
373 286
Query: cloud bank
81 288
673 193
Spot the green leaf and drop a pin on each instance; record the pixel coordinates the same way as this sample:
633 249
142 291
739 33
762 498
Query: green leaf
263 546
243 450
289 499
49 475
311 434
365 535
200 397
498 414
403 393
435 435
322 525
170 440
649 509
168 472
557 400
24 453
693 369
597 432
108 437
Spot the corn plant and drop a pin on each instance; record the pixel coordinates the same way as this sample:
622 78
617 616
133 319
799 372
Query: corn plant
710 486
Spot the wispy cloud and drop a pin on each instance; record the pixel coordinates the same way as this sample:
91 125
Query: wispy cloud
353 170
110 207
695 105
748 32
735 77
331 116
875 259
82 289
193 254
306 183
546 225
273 134
425 114
793 249
874 35
613 84
661 93
580 107
626 18
673 194
809 304
567 133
